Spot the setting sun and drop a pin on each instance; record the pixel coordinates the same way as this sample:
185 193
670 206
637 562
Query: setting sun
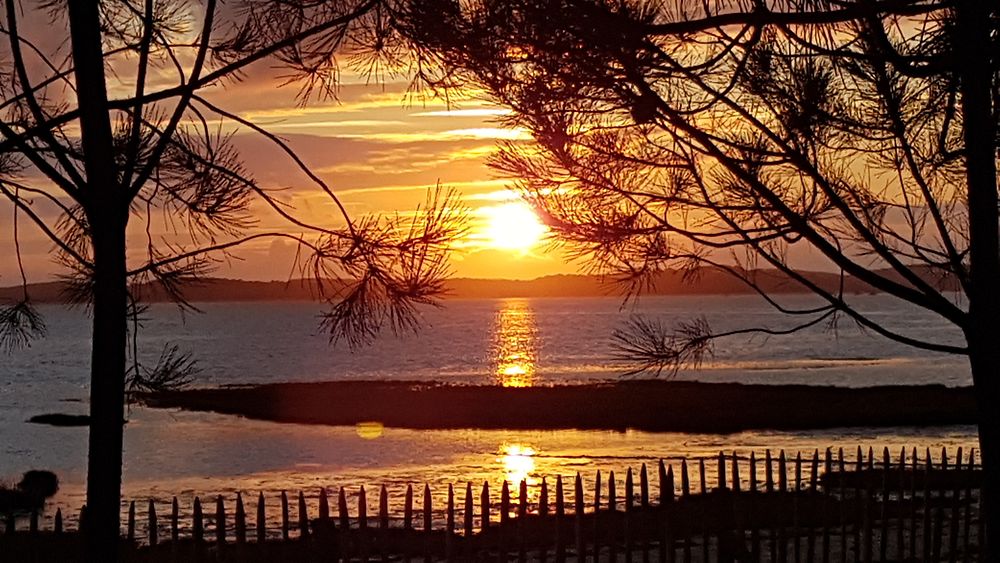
513 226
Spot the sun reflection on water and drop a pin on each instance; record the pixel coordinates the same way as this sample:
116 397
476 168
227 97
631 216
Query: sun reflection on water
515 350
518 462
369 430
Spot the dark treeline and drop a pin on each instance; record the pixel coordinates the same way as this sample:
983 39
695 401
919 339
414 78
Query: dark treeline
670 282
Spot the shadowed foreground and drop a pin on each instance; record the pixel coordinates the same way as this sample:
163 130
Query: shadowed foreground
882 513
645 405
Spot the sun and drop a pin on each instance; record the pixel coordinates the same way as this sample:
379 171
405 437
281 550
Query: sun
512 226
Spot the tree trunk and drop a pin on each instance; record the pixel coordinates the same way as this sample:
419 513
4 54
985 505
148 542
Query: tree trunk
106 207
107 390
985 360
982 331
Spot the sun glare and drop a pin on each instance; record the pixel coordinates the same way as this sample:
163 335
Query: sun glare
513 226
518 462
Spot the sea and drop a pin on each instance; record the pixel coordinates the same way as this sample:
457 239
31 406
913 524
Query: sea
515 342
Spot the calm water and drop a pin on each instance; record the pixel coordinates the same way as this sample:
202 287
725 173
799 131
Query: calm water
512 342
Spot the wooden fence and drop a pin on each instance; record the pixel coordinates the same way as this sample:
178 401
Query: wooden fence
820 508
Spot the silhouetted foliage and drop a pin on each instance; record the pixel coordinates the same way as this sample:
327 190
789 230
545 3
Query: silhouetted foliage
20 323
29 493
174 370
724 134
82 164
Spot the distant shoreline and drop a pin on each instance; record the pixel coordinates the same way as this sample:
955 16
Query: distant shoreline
660 406
669 282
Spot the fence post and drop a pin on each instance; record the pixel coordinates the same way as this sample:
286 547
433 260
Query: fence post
467 529
925 547
782 472
383 521
560 517
597 492
428 524
543 513
901 507
666 494
484 507
883 530
57 525
324 504
174 520
612 517
220 521
303 516
782 531
504 503
597 515
796 523
383 508
643 487
362 508
285 525
578 517
522 517
813 483
130 527
629 493
666 511
504 519
342 513
827 490
198 525
408 508
912 540
151 525
705 535
685 479
752 509
842 483
612 492
363 523
241 520
449 530
261 519
643 515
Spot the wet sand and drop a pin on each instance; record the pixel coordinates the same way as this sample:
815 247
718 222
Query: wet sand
673 406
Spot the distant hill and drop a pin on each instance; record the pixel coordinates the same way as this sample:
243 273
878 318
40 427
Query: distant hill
671 282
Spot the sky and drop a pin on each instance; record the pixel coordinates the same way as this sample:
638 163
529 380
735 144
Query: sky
380 149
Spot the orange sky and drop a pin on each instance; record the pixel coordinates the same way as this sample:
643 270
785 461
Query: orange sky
380 150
